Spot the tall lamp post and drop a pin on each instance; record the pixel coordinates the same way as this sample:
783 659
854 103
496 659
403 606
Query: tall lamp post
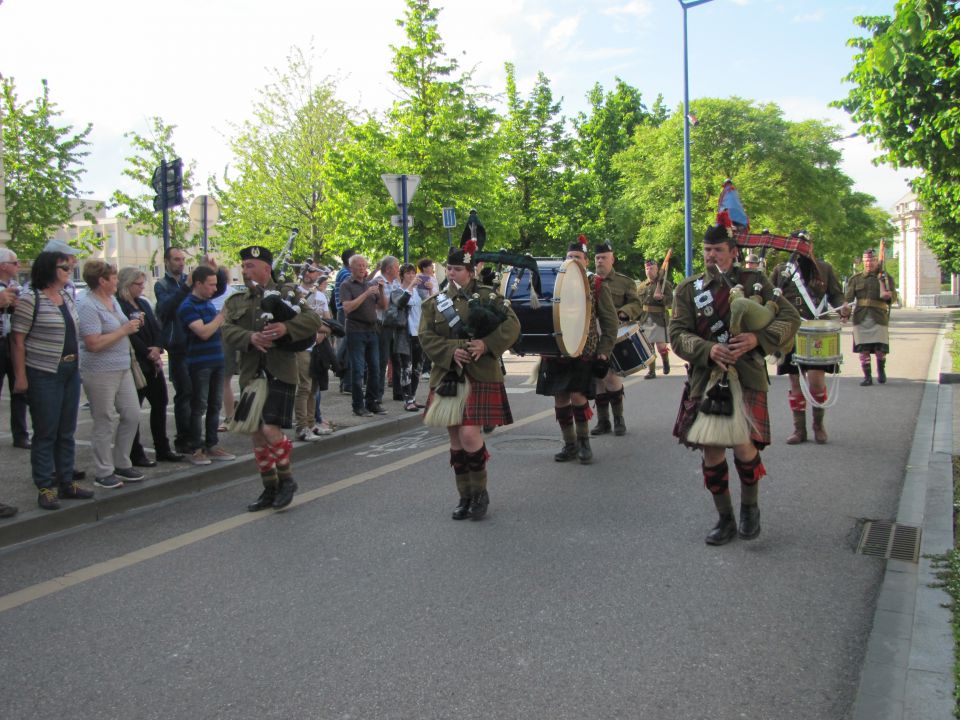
687 226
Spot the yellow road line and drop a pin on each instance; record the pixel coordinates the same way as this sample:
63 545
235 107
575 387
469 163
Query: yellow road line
91 572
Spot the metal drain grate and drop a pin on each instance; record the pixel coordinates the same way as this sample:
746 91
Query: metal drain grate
882 538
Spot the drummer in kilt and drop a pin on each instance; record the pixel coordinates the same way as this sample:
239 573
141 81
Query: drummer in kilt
464 331
810 286
699 334
570 381
623 292
656 295
874 291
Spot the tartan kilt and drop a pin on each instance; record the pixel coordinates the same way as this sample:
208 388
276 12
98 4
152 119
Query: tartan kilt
278 409
487 404
566 375
754 403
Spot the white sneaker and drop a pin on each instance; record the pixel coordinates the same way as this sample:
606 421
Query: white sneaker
219 454
199 457
307 435
321 429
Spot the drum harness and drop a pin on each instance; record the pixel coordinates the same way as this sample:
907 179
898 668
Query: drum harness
817 310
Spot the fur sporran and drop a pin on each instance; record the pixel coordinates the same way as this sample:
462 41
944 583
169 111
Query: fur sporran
247 415
722 420
447 410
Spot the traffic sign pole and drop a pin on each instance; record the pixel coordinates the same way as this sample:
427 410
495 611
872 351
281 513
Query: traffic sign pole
166 211
403 220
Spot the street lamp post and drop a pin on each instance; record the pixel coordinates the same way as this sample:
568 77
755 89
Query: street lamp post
687 225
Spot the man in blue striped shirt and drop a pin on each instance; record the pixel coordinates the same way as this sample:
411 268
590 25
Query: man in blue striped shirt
205 362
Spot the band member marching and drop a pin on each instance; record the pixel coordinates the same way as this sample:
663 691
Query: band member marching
570 380
656 295
874 292
623 292
733 366
268 345
465 330
811 286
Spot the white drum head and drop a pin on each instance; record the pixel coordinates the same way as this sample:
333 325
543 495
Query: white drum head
572 302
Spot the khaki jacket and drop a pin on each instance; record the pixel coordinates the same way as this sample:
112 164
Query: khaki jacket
826 285
866 286
623 292
439 341
645 291
688 342
243 319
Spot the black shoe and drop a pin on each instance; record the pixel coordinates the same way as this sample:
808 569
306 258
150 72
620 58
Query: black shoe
881 374
603 427
128 474
567 453
284 494
362 412
463 509
22 444
377 409
182 449
749 521
73 491
619 426
724 531
584 453
651 373
865 382
478 505
144 462
264 501
79 475
169 456
7 511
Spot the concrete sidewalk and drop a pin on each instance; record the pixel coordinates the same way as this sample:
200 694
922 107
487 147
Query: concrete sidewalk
908 669
168 480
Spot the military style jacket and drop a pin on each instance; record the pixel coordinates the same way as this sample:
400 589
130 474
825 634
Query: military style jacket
653 309
602 335
439 340
243 314
825 285
701 316
623 292
865 289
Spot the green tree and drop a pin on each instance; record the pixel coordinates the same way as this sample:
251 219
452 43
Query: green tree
906 84
533 149
787 174
280 177
149 152
42 167
441 128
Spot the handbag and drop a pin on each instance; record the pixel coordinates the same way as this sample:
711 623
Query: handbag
139 379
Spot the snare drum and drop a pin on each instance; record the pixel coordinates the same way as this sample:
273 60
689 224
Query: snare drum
632 352
559 324
818 343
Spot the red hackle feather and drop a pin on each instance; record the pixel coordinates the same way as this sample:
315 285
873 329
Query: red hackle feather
470 246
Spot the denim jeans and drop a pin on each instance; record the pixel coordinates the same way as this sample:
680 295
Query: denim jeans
180 378
364 348
343 356
54 403
206 400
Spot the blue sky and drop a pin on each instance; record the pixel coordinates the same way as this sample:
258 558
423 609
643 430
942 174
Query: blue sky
103 60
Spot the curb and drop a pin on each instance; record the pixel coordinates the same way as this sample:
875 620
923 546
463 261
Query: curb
37 523
908 668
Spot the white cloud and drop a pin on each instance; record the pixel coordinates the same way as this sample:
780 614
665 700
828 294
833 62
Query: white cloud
560 35
638 9
814 17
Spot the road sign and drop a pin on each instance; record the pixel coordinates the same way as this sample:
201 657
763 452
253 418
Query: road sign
449 218
167 181
397 220
394 185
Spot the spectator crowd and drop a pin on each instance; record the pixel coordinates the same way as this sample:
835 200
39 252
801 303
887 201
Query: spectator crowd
116 348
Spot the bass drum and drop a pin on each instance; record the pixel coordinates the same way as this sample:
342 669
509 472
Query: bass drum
557 321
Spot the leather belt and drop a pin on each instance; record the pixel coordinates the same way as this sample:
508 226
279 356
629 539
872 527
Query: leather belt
882 304
68 358
654 309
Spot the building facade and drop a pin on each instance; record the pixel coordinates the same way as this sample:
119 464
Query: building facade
922 282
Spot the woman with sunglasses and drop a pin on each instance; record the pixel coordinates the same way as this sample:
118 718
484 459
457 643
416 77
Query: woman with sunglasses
45 343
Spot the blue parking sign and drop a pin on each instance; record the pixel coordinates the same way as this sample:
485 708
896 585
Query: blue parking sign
449 218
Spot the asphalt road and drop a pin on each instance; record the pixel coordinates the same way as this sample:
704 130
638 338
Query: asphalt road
587 592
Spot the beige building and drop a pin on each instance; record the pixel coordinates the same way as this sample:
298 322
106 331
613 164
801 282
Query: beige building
921 278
